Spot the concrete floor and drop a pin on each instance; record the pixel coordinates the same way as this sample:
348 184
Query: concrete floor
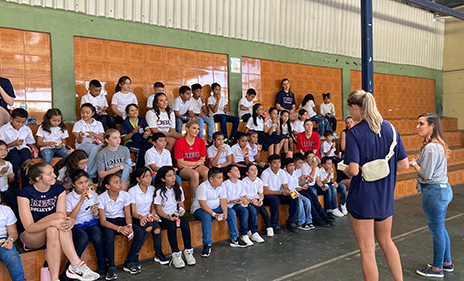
323 253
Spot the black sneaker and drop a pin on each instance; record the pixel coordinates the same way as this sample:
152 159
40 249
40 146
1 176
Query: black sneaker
102 272
138 266
278 230
303 227
161 258
292 227
130 267
206 251
330 216
322 223
111 273
238 243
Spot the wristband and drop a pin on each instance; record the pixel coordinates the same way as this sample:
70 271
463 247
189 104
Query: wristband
129 224
51 223
213 214
12 240
184 118
119 229
414 163
170 134
280 192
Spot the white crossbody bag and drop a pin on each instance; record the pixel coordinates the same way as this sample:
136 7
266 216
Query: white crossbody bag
379 168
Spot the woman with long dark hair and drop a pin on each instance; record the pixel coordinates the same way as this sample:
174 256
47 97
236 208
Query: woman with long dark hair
431 168
371 203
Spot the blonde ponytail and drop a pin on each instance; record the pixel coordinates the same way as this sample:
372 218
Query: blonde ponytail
368 107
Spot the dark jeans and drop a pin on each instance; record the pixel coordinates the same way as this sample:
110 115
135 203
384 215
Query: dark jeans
333 123
17 158
223 119
248 218
245 117
264 214
118 119
274 201
172 233
106 120
81 238
109 236
140 236
317 212
141 148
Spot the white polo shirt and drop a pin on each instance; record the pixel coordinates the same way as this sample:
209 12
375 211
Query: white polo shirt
99 100
142 200
292 181
284 130
251 125
150 100
222 103
73 198
197 104
212 152
9 134
239 154
253 188
7 218
252 152
298 126
82 126
152 156
306 170
168 201
273 181
212 196
323 174
234 191
246 103
55 135
163 123
114 209
271 125
178 105
325 147
4 178
122 100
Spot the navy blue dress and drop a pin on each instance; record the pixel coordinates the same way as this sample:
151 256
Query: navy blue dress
372 199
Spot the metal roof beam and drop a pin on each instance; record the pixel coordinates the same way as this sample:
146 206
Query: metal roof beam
440 9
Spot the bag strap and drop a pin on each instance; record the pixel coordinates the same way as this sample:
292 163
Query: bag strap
393 144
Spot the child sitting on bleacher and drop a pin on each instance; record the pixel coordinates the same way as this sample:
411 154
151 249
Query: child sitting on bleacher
298 125
245 105
52 135
6 178
327 186
97 98
158 156
89 135
276 192
8 235
142 208
254 151
115 217
82 206
327 109
304 219
286 130
240 152
20 141
254 190
122 97
219 154
169 204
211 202
323 124
219 110
158 87
183 109
328 147
113 158
199 109
135 132
77 160
237 200
272 129
42 208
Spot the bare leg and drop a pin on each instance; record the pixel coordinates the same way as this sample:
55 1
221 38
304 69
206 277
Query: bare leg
294 116
271 149
382 230
53 253
203 171
364 232
170 143
4 116
125 185
67 246
346 182
285 144
193 177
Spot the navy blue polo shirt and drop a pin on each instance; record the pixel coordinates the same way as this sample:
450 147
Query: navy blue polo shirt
6 85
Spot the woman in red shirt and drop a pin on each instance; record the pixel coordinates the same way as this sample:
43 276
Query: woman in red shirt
308 140
190 155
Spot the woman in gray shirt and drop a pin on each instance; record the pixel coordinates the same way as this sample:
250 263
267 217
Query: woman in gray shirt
431 168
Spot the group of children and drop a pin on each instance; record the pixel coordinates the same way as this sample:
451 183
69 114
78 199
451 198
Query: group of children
52 205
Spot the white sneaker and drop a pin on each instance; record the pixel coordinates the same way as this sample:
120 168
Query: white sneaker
257 238
249 234
270 232
344 210
82 272
337 213
247 240
189 258
335 136
177 261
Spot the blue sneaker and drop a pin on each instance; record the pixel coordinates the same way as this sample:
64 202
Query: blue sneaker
428 272
448 268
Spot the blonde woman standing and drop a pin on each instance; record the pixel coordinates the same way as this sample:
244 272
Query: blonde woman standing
371 203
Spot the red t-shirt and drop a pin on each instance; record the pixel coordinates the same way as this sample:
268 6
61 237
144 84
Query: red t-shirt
191 153
305 144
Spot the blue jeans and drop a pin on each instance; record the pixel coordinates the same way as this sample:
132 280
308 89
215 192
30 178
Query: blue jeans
248 218
223 119
207 221
435 200
12 261
330 196
304 211
210 122
48 153
273 201
317 212
323 124
180 122
81 238
91 150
